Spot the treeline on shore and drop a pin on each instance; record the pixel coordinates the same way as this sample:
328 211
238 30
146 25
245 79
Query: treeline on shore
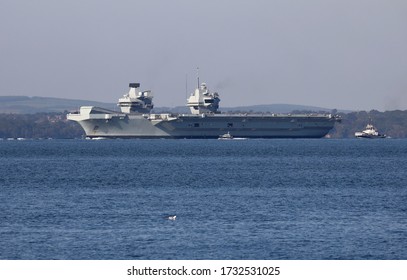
55 125
391 123
38 126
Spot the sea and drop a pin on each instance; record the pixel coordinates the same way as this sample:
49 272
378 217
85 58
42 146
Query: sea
294 199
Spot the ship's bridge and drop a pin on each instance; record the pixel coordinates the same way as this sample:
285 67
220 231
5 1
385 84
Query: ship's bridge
136 101
203 101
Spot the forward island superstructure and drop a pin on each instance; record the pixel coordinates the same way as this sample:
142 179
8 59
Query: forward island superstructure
135 120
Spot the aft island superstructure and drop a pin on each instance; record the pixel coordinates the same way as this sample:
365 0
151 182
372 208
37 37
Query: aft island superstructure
135 120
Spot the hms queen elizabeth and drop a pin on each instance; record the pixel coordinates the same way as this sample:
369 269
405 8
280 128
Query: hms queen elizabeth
205 121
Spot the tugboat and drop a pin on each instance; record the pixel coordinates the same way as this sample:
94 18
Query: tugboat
369 132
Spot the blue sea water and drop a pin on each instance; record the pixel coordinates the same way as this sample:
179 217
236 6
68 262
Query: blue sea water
253 199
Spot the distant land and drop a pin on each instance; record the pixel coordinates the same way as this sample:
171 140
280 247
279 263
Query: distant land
36 104
55 125
42 117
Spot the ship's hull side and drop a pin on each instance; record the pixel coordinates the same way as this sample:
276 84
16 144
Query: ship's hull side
98 122
254 126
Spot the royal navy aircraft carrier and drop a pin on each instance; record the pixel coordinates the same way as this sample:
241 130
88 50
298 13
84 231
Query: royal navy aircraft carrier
135 120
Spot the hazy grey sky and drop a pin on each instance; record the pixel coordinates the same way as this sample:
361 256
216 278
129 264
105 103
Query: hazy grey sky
347 54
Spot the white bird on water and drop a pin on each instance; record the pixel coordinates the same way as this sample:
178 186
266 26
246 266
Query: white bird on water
172 218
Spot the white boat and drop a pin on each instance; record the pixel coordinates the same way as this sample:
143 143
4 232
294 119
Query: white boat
96 138
226 136
369 132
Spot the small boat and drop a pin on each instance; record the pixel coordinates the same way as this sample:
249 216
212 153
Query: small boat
369 132
226 136
96 138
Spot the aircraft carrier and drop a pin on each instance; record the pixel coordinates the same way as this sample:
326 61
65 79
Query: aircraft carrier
134 120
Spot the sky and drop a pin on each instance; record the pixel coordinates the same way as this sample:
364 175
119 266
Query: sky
337 54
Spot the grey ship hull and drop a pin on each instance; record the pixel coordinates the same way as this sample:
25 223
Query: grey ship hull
99 122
